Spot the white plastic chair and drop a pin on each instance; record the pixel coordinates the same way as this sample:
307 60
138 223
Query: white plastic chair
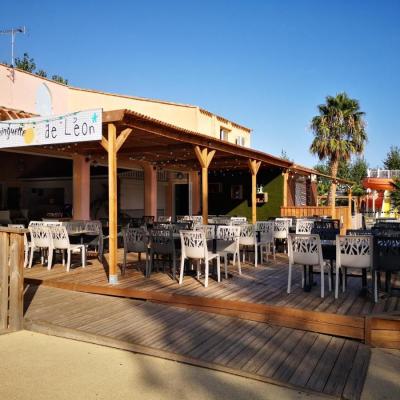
238 220
228 243
304 226
281 229
248 238
354 252
194 247
61 241
266 243
41 239
306 250
288 220
164 219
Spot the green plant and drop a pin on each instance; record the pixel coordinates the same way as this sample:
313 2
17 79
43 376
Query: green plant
339 132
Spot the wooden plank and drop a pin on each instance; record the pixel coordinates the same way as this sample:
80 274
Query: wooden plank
16 303
342 368
358 373
73 334
325 364
4 276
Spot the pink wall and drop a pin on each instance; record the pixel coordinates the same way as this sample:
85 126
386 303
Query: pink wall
18 90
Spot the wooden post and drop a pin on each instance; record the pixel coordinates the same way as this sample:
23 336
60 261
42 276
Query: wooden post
4 274
11 279
150 190
333 199
194 179
285 188
349 214
254 166
204 157
81 187
112 145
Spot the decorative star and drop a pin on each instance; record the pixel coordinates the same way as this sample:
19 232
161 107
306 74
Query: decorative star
94 118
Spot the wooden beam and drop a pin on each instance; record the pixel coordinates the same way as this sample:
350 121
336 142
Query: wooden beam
254 166
349 213
204 156
112 199
104 143
285 188
122 137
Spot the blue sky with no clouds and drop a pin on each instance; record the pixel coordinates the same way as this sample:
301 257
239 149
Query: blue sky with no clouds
264 64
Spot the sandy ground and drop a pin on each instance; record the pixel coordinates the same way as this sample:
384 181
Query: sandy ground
35 366
383 377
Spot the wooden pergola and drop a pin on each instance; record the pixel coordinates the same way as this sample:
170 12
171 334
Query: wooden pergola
131 139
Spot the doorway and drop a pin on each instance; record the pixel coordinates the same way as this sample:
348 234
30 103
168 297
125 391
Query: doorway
181 199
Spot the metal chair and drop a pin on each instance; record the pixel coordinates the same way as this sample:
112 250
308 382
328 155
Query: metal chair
353 252
162 243
306 250
194 247
97 242
135 241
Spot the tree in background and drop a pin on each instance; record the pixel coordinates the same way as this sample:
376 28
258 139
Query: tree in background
392 160
25 63
339 132
28 64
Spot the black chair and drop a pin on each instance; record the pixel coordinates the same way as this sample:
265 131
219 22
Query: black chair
327 224
162 243
387 255
148 220
135 222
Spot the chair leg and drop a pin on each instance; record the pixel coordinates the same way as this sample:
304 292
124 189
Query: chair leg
289 284
219 268
31 257
198 269
239 265
83 256
50 258
255 255
261 254
68 259
330 279
181 270
226 264
337 282
174 266
375 278
322 281
206 273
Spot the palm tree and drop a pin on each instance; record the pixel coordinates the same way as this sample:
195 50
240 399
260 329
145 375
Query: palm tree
339 132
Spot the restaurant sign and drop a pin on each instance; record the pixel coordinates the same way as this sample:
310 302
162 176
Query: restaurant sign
80 126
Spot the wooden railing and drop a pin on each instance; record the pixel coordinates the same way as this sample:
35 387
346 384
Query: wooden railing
11 278
341 213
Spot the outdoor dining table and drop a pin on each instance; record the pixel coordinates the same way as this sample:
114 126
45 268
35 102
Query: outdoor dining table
84 236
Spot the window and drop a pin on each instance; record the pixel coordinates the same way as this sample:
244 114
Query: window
223 134
240 140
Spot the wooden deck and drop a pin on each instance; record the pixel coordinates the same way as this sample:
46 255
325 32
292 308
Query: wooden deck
296 358
259 294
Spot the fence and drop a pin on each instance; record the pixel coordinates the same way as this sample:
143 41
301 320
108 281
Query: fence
383 173
341 213
11 278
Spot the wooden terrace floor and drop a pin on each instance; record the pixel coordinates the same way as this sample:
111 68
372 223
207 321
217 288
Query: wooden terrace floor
304 360
259 294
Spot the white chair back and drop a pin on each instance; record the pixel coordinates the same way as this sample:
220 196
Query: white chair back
238 220
281 228
60 236
41 236
354 251
228 238
289 220
164 219
52 223
193 244
304 226
266 229
36 223
304 249
209 230
74 226
18 226
247 235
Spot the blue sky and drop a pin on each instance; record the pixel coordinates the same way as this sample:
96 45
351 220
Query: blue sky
264 64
